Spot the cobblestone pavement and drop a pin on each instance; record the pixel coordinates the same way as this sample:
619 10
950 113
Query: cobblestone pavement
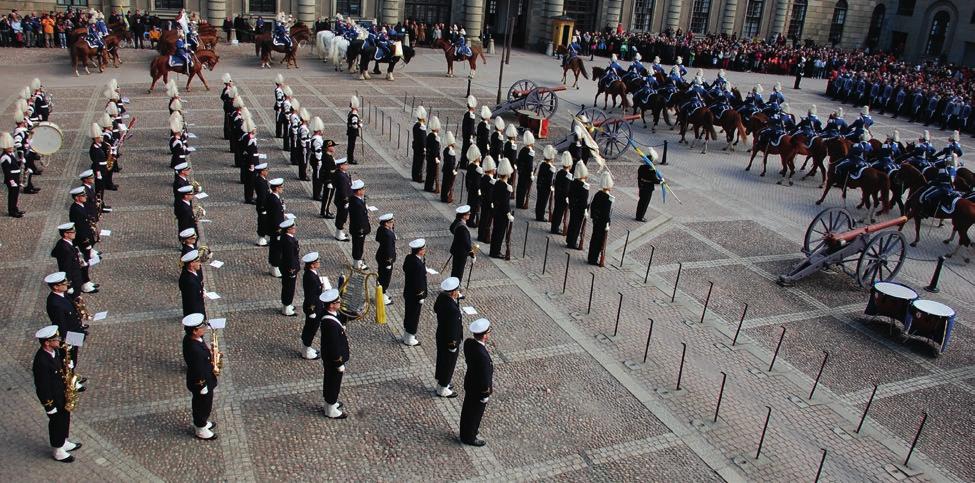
575 398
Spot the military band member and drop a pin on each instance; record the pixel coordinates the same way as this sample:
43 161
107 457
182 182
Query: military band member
11 174
178 149
48 369
647 179
79 215
227 99
461 248
352 129
450 334
545 187
501 203
181 179
601 210
478 382
94 206
289 265
578 206
510 152
42 103
433 153
358 223
191 284
526 171
342 183
173 92
335 352
71 261
22 148
419 143
327 173
497 139
414 289
285 117
449 169
183 210
486 188
294 120
110 145
275 215
279 98
250 158
99 160
62 311
468 128
237 132
483 135
386 253
560 190
300 151
315 155
472 180
187 241
200 379
312 286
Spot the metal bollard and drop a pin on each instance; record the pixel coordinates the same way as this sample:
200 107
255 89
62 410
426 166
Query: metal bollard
866 409
646 276
619 308
646 349
924 419
525 245
933 286
663 159
625 243
822 461
548 240
741 321
565 279
680 266
761 441
821 367
707 300
680 372
592 285
777 347
717 407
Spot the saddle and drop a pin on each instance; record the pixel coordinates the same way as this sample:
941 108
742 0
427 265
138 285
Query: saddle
642 96
176 61
92 45
776 139
936 200
280 42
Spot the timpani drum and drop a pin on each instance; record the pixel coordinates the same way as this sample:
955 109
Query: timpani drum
931 320
889 299
46 138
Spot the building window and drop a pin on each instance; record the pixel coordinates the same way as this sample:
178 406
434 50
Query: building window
73 3
429 11
836 26
876 24
169 4
753 18
583 12
644 15
936 37
906 7
263 6
349 8
798 19
699 16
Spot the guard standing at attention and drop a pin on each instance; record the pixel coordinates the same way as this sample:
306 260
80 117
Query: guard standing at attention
315 155
486 188
560 190
478 382
578 206
497 139
191 284
335 352
600 209
419 143
450 334
472 180
48 368
433 153
544 188
501 206
467 129
312 286
386 253
526 170
449 169
461 248
414 289
342 183
358 223
647 178
352 129
325 177
200 378
288 265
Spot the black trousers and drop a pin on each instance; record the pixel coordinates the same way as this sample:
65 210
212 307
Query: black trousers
286 138
309 331
576 220
417 171
470 417
432 171
457 265
13 193
58 425
521 193
288 282
341 213
411 316
273 251
226 126
350 151
110 177
328 194
474 200
202 405
358 245
296 152
447 186
641 205
484 226
385 275
542 194
279 123
331 383
446 362
596 242
462 160
248 178
498 233
558 211
316 180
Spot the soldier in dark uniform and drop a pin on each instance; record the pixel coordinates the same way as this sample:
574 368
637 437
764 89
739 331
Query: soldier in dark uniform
560 190
191 284
84 231
292 108
461 248
183 210
478 382
300 151
486 188
419 143
433 153
262 189
237 133
335 352
315 155
358 223
414 289
200 379
288 265
279 98
109 146
497 139
274 206
578 206
449 169
326 175
472 180
11 174
600 209
468 128
71 261
61 309
510 152
386 253
544 188
483 135
501 207
647 179
450 334
187 241
87 178
312 286
99 160
342 183
178 150
48 369
227 96
526 170
352 129
249 158
181 178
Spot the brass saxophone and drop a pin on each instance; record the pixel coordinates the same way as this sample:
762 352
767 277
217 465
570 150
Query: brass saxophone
110 162
82 308
196 186
215 354
198 211
70 381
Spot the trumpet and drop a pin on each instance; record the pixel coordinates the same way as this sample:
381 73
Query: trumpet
215 354
206 255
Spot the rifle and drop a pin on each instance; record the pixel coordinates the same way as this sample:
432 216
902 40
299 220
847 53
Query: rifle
436 177
507 241
450 192
602 253
582 234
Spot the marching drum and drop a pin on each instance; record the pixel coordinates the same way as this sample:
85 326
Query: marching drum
931 320
46 138
888 299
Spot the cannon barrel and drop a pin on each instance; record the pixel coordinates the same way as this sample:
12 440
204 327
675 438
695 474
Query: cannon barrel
540 90
627 118
847 236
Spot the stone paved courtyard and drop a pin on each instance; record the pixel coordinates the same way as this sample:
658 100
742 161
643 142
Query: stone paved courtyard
574 399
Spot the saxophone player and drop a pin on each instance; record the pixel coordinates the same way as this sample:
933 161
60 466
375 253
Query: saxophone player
183 210
71 261
62 311
85 235
200 379
48 369
191 285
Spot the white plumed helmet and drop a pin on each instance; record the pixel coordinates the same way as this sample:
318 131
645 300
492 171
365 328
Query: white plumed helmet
95 131
7 141
566 159
435 123
473 153
317 124
549 152
499 123
607 183
528 138
581 171
420 113
504 168
472 102
176 105
485 112
511 131
354 102
451 140
487 163
304 114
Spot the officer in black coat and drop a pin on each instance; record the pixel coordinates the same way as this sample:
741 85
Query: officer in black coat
358 222
510 152
183 210
91 203
315 155
578 206
449 169
99 161
84 230
544 187
386 253
484 129
647 180
335 352
525 165
312 285
61 309
600 209
472 181
191 284
560 191
200 379
433 152
342 183
275 215
289 265
227 96
414 289
352 128
501 206
178 148
478 382
486 188
262 190
461 249
468 127
48 369
419 143
450 333
249 158
70 260
326 174
181 178
497 139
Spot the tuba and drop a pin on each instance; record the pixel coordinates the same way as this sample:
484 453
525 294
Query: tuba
70 381
357 288
215 355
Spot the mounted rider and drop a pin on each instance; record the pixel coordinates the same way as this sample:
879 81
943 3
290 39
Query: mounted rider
722 100
718 86
752 104
778 122
182 54
636 67
676 76
696 95
952 148
573 49
924 149
835 125
94 36
854 163
810 126
888 151
862 123
940 193
281 36
192 38
776 95
614 72
462 51
655 67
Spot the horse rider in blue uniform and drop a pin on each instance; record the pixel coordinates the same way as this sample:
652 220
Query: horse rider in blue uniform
192 39
861 124
94 37
636 68
835 125
753 102
655 67
775 128
182 53
888 151
722 100
717 87
614 72
776 95
462 51
952 148
856 159
573 49
281 36
696 93
940 192
810 126
675 77
351 32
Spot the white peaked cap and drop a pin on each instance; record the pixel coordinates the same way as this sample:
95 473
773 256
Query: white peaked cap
566 159
279 79
472 102
354 102
480 326
309 257
504 167
190 256
35 84
485 112
653 155
187 233
329 296
276 182
48 332
111 109
418 243
607 181
260 166
812 110
185 189
386 217
581 171
549 152
317 124
177 105
238 102
56 277
865 111
511 131
175 124
226 78
94 131
473 153
66 226
105 120
499 123
304 114
193 320
528 138
295 105
462 209
420 112
450 138
358 184
249 125
287 91
927 135
487 164
86 174
287 223
77 190
171 88
435 123
450 284
181 166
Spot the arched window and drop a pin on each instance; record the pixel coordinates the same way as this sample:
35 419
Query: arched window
753 18
798 19
644 15
876 24
839 20
936 36
699 16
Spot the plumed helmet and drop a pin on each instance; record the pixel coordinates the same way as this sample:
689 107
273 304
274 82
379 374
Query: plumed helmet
485 112
499 123
112 109
176 105
839 112
897 136
105 120
487 163
304 114
653 155
865 111
317 124
7 141
785 108
175 124
238 102
954 136
113 84
528 138
24 93
473 153
511 131
607 183
110 94
295 105
472 102
21 107
613 58
249 125
549 152
226 78
279 79
354 102
656 59
451 140
721 74
95 131
637 57
435 123
171 89
504 167
728 87
758 89
812 110
35 84
778 87
232 92
287 91
17 116
420 113
581 171
566 159
927 135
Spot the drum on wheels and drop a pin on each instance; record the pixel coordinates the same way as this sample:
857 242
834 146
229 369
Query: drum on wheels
46 138
889 299
931 320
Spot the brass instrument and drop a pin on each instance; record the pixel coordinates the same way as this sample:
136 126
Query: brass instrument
22 161
475 247
198 211
70 381
196 186
215 354
82 308
357 290
110 162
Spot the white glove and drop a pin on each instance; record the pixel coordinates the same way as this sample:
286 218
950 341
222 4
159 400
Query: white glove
473 259
312 316
204 391
455 172
452 350
551 188
586 214
533 178
607 227
53 411
421 301
389 267
346 206
13 184
71 365
342 368
485 400
511 217
329 186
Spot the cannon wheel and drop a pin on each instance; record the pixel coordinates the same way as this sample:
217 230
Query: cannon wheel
612 134
543 103
830 220
882 258
524 85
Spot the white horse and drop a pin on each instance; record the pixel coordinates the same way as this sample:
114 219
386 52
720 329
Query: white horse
340 46
322 40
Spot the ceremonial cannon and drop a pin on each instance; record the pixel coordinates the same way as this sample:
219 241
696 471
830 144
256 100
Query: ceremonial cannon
527 98
611 134
832 240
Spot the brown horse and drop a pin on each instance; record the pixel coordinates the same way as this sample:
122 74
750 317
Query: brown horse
448 52
731 123
833 148
702 119
576 65
113 43
874 186
159 67
962 218
208 41
82 54
265 45
616 89
906 178
268 36
786 149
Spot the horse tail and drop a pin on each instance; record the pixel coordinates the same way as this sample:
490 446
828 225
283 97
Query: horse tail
885 192
582 67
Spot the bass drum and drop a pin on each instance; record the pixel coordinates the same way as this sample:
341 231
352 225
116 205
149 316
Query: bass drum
46 138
